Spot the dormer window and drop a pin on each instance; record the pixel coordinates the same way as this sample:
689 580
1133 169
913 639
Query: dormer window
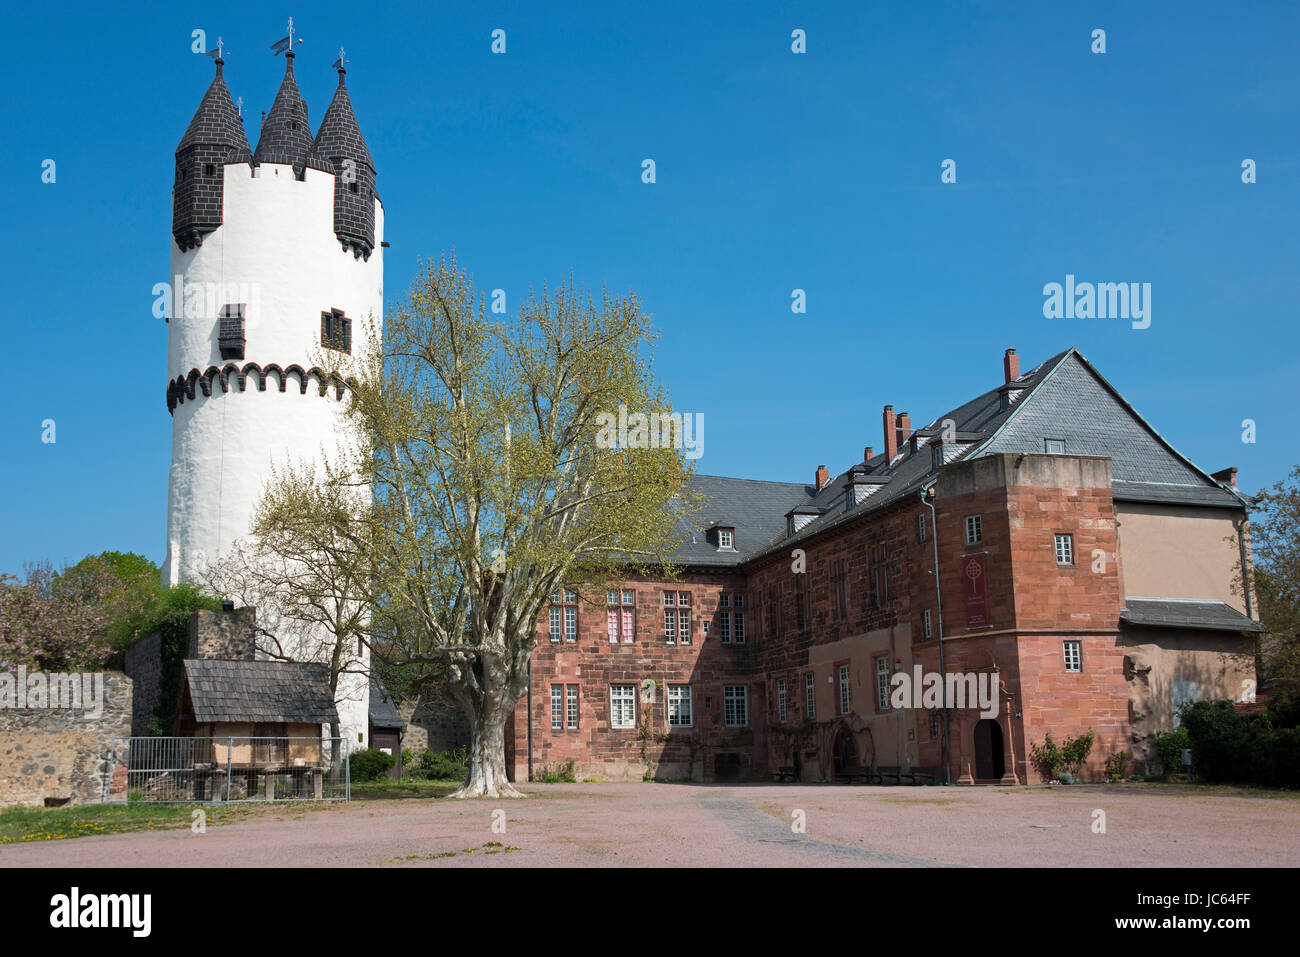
726 538
936 456
1054 446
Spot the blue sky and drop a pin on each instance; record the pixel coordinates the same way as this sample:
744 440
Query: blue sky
775 171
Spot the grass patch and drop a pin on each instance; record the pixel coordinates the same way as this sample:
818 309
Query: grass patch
384 789
23 824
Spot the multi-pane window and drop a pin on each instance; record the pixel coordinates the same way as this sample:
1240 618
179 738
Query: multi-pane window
920 527
882 684
735 706
620 615
564 615
1073 656
564 707
772 610
622 706
557 707
846 697
780 700
934 725
840 587
810 695
1054 446
738 621
1065 549
926 617
679 706
724 625
725 539
802 602
974 529
677 617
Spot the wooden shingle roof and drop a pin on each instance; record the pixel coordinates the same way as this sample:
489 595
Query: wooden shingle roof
281 691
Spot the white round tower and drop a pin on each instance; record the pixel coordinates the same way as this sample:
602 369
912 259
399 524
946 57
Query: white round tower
277 254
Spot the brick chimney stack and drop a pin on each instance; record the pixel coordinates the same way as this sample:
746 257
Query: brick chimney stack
904 427
891 434
868 453
823 477
1228 475
1011 365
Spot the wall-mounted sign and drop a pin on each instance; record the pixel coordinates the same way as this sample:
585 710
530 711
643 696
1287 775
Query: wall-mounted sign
975 584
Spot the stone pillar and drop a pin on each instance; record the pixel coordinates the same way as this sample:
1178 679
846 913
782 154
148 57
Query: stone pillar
1008 752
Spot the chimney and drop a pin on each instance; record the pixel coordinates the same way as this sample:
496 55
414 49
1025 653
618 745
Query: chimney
1228 475
891 434
868 453
903 427
823 477
1011 365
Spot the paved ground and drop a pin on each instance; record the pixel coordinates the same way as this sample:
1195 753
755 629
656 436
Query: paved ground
749 826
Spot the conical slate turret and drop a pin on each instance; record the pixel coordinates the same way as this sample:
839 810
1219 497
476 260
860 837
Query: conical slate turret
286 133
340 144
214 138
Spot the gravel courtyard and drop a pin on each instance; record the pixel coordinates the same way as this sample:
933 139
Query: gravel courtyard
601 825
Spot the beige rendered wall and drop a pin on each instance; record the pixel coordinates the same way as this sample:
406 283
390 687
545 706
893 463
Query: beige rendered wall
1178 551
1164 665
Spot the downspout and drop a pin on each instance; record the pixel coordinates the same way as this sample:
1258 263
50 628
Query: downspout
530 716
1242 531
938 602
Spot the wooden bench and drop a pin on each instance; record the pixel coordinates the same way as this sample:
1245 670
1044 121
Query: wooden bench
922 775
785 773
850 774
886 772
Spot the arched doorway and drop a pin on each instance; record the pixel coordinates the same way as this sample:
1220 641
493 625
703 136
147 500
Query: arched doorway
845 750
989 763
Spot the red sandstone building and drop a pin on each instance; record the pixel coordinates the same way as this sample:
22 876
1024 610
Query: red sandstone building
1081 558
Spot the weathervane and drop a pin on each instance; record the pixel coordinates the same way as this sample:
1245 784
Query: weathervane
339 63
284 43
218 52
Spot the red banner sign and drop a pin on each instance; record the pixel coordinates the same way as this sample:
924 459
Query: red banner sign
975 584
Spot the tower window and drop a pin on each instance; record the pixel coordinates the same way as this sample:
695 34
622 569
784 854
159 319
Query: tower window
230 331
209 169
336 331
352 186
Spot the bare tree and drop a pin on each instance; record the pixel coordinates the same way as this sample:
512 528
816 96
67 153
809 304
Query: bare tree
498 480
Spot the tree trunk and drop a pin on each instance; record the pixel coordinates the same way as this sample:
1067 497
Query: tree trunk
487 755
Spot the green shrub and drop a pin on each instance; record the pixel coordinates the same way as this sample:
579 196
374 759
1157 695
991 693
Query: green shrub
1051 759
560 774
369 764
1169 749
1117 766
1232 748
450 765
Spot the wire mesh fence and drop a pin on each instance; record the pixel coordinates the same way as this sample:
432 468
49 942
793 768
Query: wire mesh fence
239 769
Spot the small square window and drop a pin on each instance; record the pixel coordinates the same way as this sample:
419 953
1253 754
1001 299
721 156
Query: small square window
1054 446
1073 656
974 529
1065 549
209 169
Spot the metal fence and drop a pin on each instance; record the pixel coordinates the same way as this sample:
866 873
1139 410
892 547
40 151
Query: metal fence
239 769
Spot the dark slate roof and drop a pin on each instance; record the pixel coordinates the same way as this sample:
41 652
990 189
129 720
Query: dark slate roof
288 691
339 133
286 132
1062 398
216 122
1186 613
755 509
383 712
1076 404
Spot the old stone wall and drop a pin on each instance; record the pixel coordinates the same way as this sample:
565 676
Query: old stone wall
433 723
144 666
53 756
